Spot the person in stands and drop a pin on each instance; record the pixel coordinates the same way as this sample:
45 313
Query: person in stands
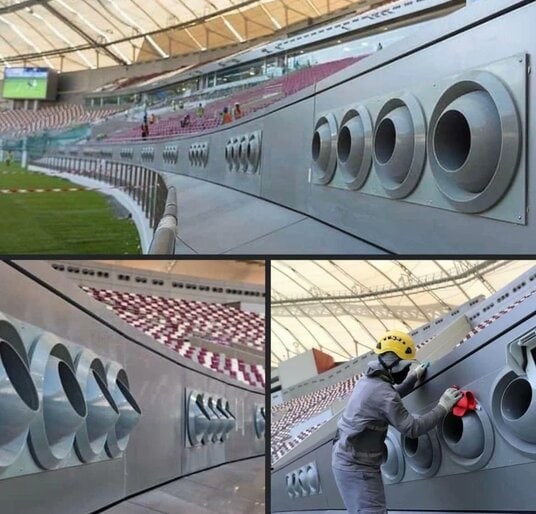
144 131
9 157
185 122
200 111
152 119
227 118
237 112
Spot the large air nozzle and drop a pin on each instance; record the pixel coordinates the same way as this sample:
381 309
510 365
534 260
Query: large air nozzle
219 421
63 406
423 454
229 419
253 152
393 466
128 408
518 408
475 141
324 149
469 439
399 145
19 403
198 420
102 414
354 147
260 421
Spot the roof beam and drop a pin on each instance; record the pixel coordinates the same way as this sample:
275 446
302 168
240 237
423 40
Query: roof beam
81 33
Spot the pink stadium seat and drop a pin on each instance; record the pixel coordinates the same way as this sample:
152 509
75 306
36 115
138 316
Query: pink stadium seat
172 322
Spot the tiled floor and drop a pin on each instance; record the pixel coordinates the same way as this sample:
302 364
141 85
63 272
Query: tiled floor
217 219
236 488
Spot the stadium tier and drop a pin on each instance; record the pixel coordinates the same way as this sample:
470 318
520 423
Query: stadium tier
21 122
174 322
250 100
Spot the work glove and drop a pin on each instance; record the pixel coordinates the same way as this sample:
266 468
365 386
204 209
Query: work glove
420 370
450 398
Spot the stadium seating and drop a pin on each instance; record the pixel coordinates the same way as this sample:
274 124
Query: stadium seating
172 322
21 122
251 99
298 410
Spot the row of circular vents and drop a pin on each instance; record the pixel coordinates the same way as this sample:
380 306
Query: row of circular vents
242 153
469 440
147 153
170 154
209 419
303 482
55 402
198 154
473 144
126 153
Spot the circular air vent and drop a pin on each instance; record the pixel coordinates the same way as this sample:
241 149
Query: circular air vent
235 155
259 422
393 466
253 152
63 406
514 411
324 149
129 410
423 454
312 478
198 421
354 147
399 145
102 412
475 141
19 401
468 439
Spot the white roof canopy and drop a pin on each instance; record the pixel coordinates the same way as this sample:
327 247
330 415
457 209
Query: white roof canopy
80 34
342 306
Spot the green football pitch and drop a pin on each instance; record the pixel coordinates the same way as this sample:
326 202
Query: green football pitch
25 88
60 223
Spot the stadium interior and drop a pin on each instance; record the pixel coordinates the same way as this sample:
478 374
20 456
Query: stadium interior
176 112
132 386
473 320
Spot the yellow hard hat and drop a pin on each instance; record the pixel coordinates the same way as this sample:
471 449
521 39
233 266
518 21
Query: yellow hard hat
400 343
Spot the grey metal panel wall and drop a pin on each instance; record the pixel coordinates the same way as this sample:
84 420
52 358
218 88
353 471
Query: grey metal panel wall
413 66
158 378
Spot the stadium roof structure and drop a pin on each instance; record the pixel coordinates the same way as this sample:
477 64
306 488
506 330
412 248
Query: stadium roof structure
342 306
246 271
70 35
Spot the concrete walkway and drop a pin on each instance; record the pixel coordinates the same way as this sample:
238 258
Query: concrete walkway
236 488
217 220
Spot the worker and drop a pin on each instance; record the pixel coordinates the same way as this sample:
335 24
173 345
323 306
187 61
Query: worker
200 111
9 157
227 117
376 403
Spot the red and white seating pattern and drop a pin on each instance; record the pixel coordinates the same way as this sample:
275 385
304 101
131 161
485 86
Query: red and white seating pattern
251 99
300 409
19 122
304 407
172 322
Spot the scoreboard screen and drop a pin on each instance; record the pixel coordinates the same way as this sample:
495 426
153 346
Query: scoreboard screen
27 83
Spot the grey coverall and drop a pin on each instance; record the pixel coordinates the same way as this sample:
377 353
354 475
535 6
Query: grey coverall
358 448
